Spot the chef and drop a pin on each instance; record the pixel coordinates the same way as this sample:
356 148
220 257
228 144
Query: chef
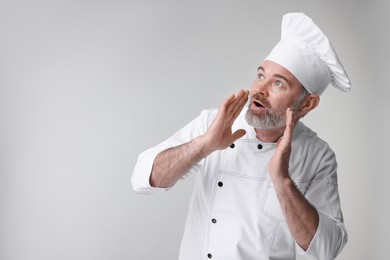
266 184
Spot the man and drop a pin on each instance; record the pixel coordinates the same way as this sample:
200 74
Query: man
266 184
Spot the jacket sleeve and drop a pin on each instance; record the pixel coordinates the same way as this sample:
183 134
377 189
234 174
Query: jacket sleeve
143 168
331 235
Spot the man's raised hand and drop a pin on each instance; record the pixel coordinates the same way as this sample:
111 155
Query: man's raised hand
219 136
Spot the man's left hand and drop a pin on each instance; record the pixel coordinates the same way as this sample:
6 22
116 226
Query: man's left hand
279 164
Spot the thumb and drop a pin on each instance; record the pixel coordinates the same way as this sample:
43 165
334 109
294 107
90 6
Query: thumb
238 134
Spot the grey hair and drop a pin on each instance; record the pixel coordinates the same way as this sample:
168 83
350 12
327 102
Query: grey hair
304 93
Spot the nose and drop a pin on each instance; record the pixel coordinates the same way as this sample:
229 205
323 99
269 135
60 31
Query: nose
259 87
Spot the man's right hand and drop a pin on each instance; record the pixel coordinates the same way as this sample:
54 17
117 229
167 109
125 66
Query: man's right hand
170 165
219 135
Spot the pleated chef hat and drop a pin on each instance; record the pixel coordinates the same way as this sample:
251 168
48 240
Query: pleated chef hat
306 52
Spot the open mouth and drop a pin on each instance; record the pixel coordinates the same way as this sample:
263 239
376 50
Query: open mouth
257 103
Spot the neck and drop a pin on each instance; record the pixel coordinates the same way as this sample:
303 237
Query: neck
269 136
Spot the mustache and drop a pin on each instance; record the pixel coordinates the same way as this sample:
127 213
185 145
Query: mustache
260 99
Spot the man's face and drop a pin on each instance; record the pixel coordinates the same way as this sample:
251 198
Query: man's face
274 90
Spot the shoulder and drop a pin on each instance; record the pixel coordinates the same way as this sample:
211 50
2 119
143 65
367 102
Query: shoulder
306 141
209 113
207 116
303 135
311 155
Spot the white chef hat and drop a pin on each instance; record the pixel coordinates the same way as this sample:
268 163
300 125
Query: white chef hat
306 52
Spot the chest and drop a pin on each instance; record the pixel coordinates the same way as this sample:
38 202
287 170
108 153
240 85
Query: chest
238 182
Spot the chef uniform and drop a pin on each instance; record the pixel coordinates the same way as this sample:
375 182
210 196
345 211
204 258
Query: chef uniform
234 211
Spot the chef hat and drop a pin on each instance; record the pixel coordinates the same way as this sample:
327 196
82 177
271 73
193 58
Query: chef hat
306 52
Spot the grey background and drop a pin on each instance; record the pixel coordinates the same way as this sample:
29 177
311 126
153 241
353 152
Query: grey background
85 86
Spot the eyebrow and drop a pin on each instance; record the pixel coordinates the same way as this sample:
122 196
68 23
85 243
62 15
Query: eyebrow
275 75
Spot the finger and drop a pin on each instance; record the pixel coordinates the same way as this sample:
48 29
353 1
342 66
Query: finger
289 125
285 140
226 103
238 104
237 96
237 135
234 98
232 106
241 98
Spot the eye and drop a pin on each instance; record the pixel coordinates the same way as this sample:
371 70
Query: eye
278 84
260 76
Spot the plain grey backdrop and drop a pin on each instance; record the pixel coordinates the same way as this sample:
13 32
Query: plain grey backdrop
85 86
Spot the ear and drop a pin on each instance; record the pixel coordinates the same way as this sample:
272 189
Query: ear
308 104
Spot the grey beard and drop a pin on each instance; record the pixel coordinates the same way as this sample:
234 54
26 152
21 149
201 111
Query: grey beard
274 119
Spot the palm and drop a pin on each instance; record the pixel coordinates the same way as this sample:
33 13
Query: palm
278 166
220 134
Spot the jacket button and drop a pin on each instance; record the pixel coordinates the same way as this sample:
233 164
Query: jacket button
214 220
209 255
220 184
259 146
232 146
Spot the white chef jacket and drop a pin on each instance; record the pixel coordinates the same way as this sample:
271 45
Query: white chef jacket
234 210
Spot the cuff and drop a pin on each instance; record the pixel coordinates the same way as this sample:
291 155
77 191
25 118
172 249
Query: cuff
328 240
142 171
301 251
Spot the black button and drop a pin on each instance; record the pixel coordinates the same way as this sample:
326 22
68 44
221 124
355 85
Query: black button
232 146
209 255
220 184
214 220
259 146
